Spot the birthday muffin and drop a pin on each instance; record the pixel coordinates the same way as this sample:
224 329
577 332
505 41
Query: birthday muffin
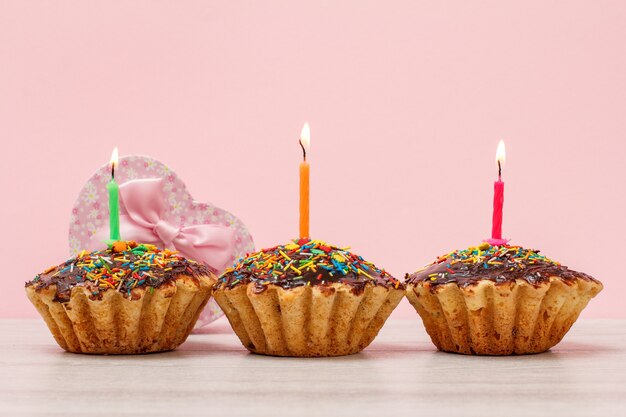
498 300
127 299
305 299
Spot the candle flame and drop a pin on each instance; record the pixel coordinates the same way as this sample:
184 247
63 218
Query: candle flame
114 157
305 137
500 153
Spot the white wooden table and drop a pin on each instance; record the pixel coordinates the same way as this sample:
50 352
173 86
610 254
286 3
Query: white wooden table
399 374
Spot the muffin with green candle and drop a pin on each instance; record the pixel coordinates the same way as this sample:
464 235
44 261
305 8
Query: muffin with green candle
306 298
498 300
127 299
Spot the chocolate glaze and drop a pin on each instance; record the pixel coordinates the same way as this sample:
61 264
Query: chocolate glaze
75 273
516 263
249 271
291 280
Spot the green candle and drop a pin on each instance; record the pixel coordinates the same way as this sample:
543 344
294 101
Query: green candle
114 203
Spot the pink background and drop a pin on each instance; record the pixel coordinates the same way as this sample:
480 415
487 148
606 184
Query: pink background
406 101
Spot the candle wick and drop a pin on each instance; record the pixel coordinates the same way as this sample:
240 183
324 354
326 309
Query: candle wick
499 171
303 149
113 171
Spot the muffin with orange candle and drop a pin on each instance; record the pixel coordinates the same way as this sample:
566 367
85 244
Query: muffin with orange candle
498 300
127 299
306 298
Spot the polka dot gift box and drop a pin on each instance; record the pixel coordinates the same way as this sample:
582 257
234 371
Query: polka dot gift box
162 213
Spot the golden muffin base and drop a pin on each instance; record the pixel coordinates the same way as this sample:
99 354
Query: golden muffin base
500 319
149 321
307 321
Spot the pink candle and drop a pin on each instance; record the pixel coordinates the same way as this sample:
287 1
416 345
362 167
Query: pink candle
498 201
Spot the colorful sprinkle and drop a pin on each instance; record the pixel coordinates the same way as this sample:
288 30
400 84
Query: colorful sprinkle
137 266
305 262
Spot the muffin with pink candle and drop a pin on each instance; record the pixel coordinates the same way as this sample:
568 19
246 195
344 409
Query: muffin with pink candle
498 300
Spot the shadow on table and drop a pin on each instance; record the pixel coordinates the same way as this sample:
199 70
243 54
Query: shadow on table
202 344
566 348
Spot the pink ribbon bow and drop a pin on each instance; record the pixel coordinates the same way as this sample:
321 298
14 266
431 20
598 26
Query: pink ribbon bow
142 205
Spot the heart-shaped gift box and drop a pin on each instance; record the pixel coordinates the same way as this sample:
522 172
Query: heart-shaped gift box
179 211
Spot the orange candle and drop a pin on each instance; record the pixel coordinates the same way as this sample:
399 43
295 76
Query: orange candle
305 138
